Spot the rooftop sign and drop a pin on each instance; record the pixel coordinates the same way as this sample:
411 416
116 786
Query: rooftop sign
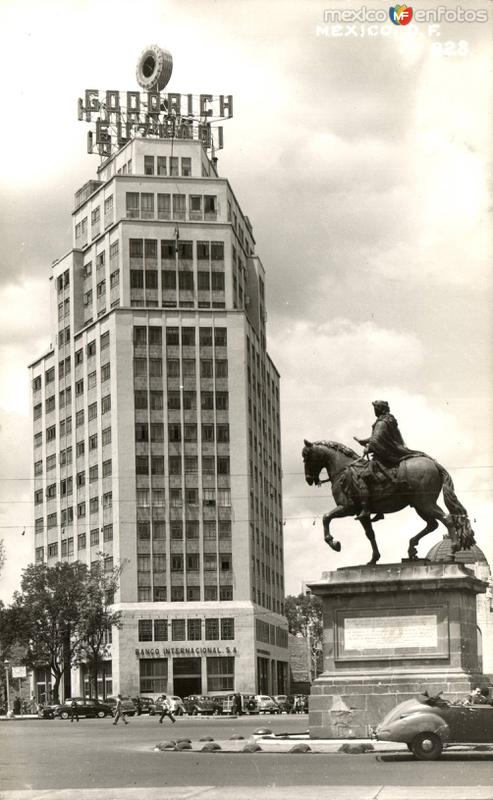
121 115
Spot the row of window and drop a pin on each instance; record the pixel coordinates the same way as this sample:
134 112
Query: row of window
186 336
65 425
270 634
177 594
210 497
210 529
170 280
140 250
143 205
153 673
182 630
163 165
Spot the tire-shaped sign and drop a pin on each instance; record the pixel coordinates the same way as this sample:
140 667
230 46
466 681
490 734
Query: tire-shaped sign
154 68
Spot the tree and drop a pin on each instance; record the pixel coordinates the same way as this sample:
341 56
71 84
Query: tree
48 613
96 617
304 615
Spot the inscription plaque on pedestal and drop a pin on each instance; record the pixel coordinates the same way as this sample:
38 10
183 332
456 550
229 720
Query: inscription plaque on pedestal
392 634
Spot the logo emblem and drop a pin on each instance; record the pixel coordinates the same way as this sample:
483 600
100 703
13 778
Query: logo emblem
400 15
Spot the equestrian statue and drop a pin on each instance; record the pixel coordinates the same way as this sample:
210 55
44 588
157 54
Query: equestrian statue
391 479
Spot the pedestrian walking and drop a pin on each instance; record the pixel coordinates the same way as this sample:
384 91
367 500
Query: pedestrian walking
166 712
74 711
119 714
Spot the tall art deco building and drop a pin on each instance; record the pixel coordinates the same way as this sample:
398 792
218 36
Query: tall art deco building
156 410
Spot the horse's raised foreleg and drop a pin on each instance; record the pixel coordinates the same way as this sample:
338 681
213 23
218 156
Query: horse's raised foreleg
338 511
430 516
370 533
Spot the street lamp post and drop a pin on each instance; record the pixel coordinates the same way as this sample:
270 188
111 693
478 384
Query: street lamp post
6 665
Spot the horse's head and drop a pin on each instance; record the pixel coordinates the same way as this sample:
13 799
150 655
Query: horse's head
313 463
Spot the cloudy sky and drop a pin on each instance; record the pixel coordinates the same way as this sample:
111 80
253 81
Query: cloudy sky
362 161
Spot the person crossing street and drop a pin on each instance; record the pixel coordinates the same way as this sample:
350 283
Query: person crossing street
167 711
119 714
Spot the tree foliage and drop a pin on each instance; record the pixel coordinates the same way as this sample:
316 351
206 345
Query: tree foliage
62 615
97 618
304 615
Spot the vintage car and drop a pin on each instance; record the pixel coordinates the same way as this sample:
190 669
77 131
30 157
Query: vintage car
266 705
176 703
428 724
86 707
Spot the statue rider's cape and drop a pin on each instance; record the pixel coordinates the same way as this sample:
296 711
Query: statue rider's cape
386 442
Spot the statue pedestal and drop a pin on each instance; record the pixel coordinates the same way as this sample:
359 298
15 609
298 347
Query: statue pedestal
391 630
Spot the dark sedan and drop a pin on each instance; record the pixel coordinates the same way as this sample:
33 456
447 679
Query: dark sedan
86 707
195 705
428 724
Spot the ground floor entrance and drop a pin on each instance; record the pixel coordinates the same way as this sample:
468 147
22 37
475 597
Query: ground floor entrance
187 676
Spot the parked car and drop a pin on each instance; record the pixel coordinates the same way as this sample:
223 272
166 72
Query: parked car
195 704
282 702
267 705
226 703
428 724
86 707
142 704
177 705
46 712
128 706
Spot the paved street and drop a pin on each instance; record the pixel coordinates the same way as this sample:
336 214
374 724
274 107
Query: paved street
56 754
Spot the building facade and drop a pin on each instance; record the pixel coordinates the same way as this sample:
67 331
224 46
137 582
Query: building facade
156 426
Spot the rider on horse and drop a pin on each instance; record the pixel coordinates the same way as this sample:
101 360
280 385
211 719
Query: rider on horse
388 449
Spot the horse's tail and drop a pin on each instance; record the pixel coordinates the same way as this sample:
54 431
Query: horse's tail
458 514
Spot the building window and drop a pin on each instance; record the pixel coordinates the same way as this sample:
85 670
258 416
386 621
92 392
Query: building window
145 630
92 411
144 594
160 630
177 594
176 563
220 674
132 205
173 166
94 537
212 629
107 468
108 533
178 629
210 593
53 550
106 436
194 629
147 201
161 165
228 628
148 165
105 404
186 167
153 675
225 593
81 541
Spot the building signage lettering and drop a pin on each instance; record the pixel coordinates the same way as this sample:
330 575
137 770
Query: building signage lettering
157 652
119 115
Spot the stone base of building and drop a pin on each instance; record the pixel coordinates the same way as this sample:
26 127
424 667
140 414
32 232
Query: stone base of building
344 707
390 631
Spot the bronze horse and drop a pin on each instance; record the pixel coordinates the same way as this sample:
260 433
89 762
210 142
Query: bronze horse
424 480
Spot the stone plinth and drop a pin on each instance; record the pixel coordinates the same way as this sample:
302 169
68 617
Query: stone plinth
389 631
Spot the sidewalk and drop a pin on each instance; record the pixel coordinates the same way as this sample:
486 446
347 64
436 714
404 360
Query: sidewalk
380 792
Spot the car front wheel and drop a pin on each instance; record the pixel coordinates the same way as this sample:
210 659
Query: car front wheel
427 746
101 714
64 715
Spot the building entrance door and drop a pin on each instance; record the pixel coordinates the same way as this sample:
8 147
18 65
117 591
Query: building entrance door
187 676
